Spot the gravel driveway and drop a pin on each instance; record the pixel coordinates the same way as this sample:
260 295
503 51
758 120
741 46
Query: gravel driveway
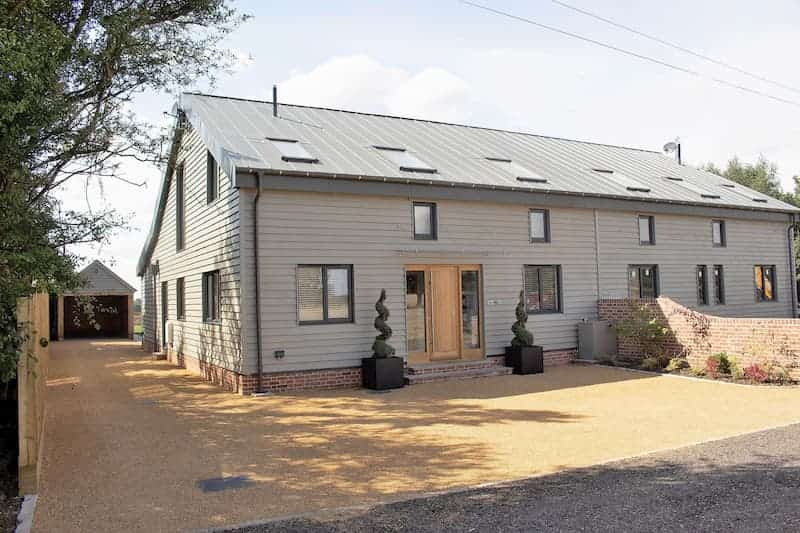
747 483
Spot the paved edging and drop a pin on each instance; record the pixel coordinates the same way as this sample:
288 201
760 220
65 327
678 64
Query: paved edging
702 380
25 515
496 484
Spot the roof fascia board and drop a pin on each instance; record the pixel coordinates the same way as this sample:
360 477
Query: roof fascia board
443 192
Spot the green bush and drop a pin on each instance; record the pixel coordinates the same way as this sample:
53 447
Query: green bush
699 372
652 364
736 369
644 328
718 365
677 363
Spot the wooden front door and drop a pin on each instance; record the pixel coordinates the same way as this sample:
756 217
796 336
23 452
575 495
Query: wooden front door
445 307
443 313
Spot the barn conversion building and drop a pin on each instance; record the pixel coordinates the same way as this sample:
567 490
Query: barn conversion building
278 226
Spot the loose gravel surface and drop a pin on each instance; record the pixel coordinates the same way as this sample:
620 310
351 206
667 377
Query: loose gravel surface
748 483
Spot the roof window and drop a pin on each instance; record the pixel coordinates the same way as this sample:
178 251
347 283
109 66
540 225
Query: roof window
621 179
405 160
694 188
293 151
761 199
517 170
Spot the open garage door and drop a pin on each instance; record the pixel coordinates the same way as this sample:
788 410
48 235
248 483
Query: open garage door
110 318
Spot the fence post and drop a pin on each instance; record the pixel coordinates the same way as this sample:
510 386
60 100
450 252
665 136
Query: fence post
33 318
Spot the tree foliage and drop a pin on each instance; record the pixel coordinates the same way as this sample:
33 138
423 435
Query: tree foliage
69 70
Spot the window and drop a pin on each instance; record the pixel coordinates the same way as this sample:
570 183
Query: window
718 237
211 296
647 230
517 170
539 225
642 281
180 227
212 178
425 221
623 180
719 285
292 151
324 294
405 160
543 288
702 285
765 282
180 306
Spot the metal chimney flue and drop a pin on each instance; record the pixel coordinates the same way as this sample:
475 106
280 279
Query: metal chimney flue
274 100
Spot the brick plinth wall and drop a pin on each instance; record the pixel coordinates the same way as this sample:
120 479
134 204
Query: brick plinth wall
698 336
551 357
332 378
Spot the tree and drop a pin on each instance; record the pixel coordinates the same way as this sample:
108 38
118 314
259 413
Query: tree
68 72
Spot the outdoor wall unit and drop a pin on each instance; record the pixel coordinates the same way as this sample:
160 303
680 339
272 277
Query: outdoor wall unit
596 339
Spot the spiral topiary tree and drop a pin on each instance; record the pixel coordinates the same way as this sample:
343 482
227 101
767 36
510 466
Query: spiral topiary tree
381 348
522 337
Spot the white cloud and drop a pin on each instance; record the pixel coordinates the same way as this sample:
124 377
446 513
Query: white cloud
362 83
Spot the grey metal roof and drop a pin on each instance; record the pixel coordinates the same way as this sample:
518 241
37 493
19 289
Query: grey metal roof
237 132
345 144
102 280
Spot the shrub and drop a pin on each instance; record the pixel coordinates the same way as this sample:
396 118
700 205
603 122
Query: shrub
755 373
644 328
778 374
699 372
736 369
718 365
677 363
652 364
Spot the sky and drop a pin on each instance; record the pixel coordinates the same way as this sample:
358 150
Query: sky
448 61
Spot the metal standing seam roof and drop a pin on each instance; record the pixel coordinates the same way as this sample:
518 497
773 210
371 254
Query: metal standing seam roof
238 132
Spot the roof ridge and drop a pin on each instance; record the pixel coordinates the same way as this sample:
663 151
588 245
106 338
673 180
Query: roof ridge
399 117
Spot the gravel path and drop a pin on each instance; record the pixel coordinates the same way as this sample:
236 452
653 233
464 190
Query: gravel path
748 483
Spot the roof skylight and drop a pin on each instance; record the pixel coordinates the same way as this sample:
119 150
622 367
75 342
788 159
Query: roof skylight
680 182
621 179
405 160
292 151
744 194
517 170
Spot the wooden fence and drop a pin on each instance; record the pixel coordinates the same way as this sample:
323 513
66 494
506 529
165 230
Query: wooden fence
33 318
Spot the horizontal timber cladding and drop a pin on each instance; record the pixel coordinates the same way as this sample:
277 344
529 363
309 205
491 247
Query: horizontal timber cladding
211 242
375 235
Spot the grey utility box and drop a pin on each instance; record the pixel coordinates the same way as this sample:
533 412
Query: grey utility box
596 339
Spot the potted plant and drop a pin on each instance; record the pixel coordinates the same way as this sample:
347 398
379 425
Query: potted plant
522 355
383 370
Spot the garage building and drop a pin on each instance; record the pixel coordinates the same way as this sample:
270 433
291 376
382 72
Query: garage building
106 296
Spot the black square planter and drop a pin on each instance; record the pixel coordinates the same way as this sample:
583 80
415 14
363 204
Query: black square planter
382 373
525 359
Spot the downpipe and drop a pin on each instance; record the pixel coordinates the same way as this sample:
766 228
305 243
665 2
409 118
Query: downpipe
792 265
259 357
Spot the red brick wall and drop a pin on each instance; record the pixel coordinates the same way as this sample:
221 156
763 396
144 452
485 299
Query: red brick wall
697 335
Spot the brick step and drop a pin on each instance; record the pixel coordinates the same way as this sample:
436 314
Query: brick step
493 370
453 366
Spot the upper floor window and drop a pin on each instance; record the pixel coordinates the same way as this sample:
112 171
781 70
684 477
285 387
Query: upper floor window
324 293
765 282
718 236
212 178
543 288
642 281
539 225
211 296
425 221
702 285
647 230
180 223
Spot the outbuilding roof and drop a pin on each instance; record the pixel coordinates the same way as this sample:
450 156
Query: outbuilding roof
246 137
100 280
